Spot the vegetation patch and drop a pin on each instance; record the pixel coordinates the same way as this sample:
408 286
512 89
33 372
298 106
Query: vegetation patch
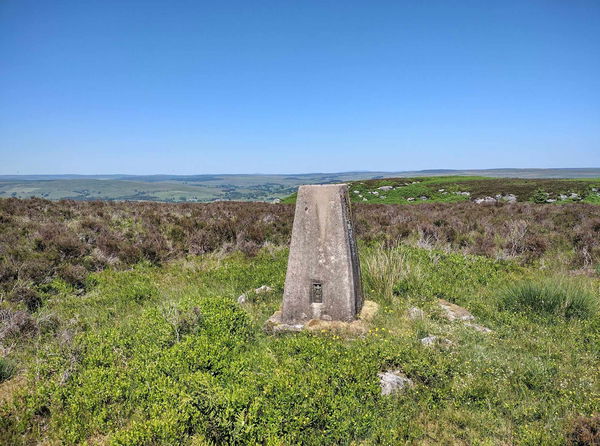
562 297
122 325
165 354
7 369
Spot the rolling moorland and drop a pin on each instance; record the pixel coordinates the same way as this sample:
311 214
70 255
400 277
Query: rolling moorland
206 188
120 321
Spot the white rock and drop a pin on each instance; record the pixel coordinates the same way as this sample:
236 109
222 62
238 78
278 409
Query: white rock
431 340
415 313
477 327
242 299
385 188
428 341
485 200
454 312
393 381
263 289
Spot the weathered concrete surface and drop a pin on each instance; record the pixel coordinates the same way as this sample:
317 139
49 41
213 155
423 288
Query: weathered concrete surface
323 273
356 328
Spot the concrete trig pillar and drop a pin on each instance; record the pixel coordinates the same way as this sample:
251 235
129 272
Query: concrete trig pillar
323 272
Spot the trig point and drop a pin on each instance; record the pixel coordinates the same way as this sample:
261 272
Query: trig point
323 272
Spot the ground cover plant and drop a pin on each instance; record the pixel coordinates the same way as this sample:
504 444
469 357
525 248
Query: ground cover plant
454 189
120 325
166 355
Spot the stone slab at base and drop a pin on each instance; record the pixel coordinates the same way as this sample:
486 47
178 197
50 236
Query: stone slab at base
359 326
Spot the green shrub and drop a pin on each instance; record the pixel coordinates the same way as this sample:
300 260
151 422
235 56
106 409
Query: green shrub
560 297
7 369
539 196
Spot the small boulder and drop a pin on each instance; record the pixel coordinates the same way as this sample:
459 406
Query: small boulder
263 289
415 313
242 299
453 312
431 340
485 200
393 382
428 341
385 188
509 198
477 327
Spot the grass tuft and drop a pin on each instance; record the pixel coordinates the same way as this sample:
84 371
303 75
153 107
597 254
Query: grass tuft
383 269
7 369
559 297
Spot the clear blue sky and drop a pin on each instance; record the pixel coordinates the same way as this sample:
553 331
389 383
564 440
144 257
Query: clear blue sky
185 87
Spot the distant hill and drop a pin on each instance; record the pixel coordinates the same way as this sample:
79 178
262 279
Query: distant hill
204 188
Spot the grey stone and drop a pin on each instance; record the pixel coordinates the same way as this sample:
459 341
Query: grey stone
323 273
263 289
453 312
393 381
276 325
385 188
431 340
485 200
477 327
428 340
242 299
509 198
415 313
276 201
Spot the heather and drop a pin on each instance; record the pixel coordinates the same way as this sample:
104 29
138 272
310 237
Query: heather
120 324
